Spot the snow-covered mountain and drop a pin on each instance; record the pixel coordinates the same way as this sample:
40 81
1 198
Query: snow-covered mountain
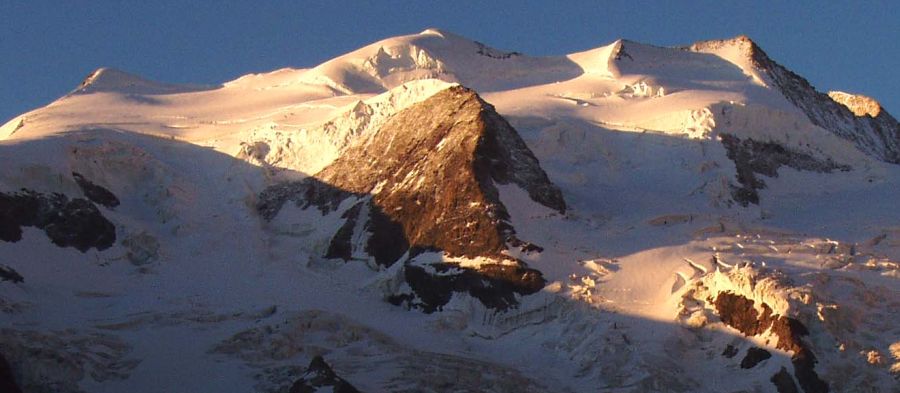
428 213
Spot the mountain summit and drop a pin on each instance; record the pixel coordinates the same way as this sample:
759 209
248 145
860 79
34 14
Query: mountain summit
429 213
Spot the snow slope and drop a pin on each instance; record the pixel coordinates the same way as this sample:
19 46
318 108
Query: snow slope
695 181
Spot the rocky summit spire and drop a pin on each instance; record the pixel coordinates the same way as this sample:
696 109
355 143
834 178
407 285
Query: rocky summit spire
431 172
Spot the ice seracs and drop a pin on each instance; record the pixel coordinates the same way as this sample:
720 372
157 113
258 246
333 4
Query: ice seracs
428 211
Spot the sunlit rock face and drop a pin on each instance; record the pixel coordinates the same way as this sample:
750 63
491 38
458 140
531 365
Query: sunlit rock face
429 214
859 104
426 182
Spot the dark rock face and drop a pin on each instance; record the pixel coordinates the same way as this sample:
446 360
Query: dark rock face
878 136
738 312
764 158
67 222
319 375
730 351
494 285
7 379
9 274
95 193
305 193
341 245
783 382
426 181
754 356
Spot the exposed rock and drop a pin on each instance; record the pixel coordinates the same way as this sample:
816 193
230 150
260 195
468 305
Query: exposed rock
754 356
68 223
487 51
878 135
875 132
7 378
9 274
96 193
730 351
320 376
426 181
142 248
495 285
753 157
432 169
58 361
341 243
860 105
783 382
391 366
305 193
739 312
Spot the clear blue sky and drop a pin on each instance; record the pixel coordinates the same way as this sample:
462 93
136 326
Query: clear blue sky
48 47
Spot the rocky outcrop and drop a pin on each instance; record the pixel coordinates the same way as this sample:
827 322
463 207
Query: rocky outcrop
860 105
9 274
319 377
854 118
877 135
60 361
7 378
740 313
95 193
495 285
67 222
730 351
432 169
754 356
784 382
426 181
752 158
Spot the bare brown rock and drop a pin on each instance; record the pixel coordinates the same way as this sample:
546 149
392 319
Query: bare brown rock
859 104
754 356
739 312
432 169
877 135
752 158
426 181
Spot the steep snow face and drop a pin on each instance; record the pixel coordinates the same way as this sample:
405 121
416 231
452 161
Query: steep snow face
878 135
312 149
291 128
626 218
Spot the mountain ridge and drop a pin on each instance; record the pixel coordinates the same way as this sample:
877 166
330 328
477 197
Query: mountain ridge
431 213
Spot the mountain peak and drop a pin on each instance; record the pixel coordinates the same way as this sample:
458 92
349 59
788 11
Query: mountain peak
742 43
437 159
438 32
107 78
112 80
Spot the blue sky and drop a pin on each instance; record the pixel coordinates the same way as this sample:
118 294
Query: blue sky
48 47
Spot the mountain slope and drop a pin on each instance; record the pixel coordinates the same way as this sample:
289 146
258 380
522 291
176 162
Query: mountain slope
425 182
429 213
877 134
